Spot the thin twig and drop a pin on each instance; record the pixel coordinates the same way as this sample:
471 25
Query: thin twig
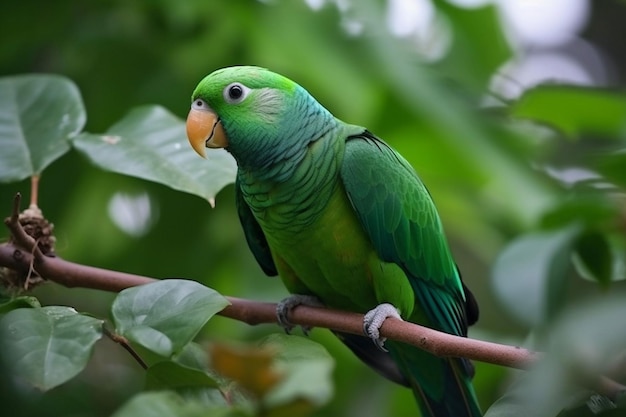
34 190
122 341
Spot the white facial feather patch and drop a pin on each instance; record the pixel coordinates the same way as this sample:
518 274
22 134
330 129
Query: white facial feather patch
268 103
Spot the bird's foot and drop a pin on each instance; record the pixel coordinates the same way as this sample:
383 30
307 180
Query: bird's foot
284 307
374 319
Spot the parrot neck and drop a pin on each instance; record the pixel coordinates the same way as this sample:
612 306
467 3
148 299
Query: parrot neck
277 150
289 190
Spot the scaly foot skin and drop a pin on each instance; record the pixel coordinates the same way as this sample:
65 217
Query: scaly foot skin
374 319
284 307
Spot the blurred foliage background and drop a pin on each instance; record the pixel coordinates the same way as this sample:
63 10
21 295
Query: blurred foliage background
431 78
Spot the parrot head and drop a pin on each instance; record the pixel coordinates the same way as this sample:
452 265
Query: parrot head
239 107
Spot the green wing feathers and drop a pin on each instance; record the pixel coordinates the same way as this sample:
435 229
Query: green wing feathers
401 220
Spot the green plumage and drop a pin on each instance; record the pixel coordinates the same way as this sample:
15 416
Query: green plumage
340 215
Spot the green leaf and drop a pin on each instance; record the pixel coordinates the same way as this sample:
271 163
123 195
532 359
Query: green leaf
251 367
593 258
19 302
306 367
478 47
169 404
165 315
193 356
38 115
151 143
610 259
48 346
613 167
574 110
592 208
529 275
588 336
169 374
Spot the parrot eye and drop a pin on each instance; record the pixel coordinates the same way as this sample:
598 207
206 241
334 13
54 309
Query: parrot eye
235 93
199 104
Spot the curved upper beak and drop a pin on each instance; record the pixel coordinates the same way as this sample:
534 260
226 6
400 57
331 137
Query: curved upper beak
204 130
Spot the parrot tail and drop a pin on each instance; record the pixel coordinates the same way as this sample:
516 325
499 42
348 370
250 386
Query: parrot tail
442 386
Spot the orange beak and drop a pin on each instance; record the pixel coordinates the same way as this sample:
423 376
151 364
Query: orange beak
204 130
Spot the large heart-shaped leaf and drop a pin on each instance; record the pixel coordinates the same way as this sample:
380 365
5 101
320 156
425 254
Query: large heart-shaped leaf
38 115
48 346
151 143
165 315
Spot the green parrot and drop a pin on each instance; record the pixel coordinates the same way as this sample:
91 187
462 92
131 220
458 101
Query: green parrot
345 222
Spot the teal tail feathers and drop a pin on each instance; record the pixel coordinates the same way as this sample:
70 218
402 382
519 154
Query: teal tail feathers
442 386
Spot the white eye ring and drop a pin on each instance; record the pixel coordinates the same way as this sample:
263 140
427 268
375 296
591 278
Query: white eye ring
199 104
235 93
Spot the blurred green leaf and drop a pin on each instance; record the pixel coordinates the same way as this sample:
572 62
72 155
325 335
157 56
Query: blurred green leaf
48 346
574 110
617 241
306 367
39 113
165 315
588 336
478 47
193 356
591 208
593 258
167 375
151 143
19 302
170 404
613 166
251 367
529 275
289 375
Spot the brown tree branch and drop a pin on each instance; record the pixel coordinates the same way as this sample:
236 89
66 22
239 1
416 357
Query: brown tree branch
69 274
